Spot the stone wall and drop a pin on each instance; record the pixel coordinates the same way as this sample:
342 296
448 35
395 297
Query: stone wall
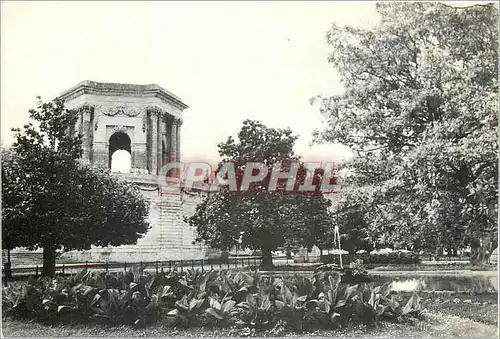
169 238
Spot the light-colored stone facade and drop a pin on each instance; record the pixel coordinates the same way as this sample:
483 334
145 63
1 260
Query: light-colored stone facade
151 118
149 115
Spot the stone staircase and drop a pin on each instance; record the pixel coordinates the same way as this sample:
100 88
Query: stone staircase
170 223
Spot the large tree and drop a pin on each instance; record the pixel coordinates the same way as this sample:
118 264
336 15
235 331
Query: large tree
51 200
420 113
260 218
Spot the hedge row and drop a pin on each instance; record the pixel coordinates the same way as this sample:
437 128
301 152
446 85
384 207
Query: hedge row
404 258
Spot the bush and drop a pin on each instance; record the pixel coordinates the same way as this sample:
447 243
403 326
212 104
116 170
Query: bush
396 257
354 273
206 299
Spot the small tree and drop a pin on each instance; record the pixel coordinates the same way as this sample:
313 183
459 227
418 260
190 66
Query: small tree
50 200
260 218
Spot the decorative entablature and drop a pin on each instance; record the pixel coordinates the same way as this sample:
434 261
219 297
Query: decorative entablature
121 110
95 110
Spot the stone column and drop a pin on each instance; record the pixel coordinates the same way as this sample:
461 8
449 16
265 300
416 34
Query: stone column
165 156
141 151
154 143
178 140
147 128
72 130
91 135
80 122
173 142
87 135
161 131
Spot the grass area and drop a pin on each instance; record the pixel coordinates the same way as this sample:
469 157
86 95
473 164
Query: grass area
482 308
433 267
437 325
447 316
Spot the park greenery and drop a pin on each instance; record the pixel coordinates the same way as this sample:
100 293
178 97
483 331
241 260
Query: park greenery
50 200
258 218
420 113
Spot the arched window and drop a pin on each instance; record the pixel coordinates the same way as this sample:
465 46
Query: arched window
120 159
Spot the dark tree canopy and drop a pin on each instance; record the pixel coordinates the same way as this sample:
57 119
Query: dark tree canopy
50 200
420 112
259 218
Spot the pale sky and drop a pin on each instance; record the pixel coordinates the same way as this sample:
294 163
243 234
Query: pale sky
228 61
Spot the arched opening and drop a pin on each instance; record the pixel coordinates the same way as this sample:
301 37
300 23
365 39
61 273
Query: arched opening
120 159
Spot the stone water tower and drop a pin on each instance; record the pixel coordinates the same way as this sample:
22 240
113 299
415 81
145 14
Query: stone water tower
144 121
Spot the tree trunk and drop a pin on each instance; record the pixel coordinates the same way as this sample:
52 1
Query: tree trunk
479 254
438 252
267 258
8 267
49 262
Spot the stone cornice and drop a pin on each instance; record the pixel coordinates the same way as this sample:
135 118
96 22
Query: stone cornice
127 89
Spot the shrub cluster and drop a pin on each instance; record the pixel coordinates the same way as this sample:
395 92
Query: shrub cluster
240 299
355 272
396 257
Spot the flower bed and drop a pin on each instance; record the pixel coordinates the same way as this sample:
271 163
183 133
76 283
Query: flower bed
223 299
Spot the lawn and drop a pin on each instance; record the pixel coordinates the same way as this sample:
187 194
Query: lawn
433 267
437 325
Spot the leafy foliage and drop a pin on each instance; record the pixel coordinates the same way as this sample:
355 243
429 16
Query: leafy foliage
242 299
355 272
420 113
355 234
50 200
260 218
